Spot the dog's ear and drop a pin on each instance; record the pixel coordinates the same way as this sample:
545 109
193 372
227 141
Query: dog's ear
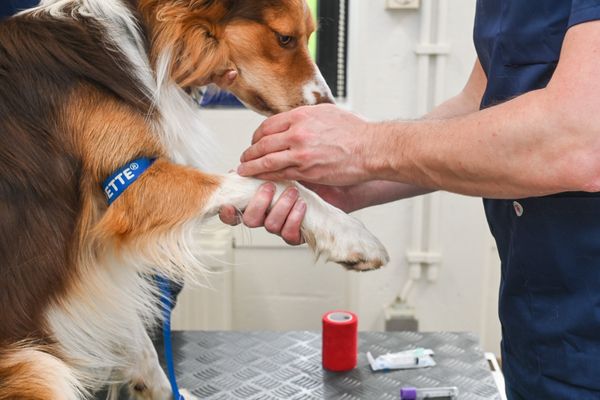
190 37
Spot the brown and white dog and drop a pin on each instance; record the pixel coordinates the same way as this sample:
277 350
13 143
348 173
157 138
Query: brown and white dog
85 87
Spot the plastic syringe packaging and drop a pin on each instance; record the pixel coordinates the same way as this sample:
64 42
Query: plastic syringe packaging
410 359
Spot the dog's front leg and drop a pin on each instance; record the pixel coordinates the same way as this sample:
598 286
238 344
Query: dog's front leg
328 231
151 220
168 196
147 380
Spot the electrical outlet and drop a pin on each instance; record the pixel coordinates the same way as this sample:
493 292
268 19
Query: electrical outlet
402 4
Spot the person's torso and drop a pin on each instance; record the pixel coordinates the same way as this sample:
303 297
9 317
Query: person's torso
549 246
11 7
518 43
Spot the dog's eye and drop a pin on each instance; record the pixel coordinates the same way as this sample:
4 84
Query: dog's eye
286 41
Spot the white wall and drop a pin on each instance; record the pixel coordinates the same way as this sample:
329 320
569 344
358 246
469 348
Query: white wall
277 287
383 79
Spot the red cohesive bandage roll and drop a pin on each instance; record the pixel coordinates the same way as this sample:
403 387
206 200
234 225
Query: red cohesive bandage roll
340 341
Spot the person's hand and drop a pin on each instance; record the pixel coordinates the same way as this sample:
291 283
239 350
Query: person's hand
319 144
283 219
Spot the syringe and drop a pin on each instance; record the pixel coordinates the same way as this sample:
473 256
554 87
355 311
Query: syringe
443 393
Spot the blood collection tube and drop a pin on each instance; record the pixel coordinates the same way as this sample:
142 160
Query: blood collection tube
443 393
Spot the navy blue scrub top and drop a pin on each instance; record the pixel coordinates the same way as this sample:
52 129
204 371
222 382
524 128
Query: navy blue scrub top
10 7
549 246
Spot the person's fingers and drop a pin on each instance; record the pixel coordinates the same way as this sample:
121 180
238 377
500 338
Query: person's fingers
255 213
291 231
267 145
229 215
276 124
287 174
270 163
279 212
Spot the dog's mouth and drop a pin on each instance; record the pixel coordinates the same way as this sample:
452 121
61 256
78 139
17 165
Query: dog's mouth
201 95
262 106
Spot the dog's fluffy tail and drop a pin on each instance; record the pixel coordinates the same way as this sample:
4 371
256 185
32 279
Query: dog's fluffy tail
28 372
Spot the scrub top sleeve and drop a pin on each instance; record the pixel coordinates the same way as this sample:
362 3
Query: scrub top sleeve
584 11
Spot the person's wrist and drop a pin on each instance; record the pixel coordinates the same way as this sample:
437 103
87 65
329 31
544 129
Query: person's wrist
362 153
390 155
373 151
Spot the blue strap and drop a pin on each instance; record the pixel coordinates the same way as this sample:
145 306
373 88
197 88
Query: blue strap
167 303
113 187
116 184
219 98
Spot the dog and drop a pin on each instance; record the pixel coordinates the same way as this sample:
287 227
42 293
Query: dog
87 86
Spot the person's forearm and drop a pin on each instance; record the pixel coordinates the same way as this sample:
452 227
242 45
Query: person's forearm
381 192
525 147
462 104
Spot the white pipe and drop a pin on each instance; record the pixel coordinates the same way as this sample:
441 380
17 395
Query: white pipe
406 289
423 95
423 59
433 238
416 239
425 231
435 201
355 100
422 108
440 59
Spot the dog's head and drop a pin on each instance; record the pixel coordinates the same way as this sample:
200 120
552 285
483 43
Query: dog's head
257 49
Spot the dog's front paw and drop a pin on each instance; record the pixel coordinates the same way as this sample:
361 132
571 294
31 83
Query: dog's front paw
345 240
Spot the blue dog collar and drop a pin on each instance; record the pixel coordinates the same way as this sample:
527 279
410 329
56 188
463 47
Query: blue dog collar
116 184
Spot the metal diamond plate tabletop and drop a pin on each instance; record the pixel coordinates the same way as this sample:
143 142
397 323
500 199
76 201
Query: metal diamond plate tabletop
271 366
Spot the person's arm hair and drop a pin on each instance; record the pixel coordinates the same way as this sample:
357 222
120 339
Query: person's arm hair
285 217
544 142
466 102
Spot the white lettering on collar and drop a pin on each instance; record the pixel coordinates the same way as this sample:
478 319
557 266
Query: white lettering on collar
111 188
